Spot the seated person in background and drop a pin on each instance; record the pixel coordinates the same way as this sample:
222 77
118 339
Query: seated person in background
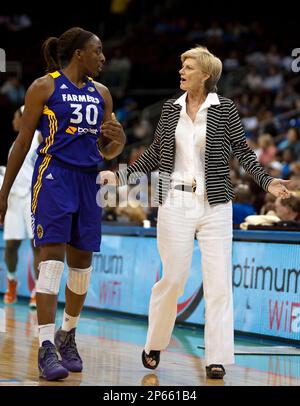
152 213
281 213
109 214
269 205
242 205
131 214
288 211
295 186
132 211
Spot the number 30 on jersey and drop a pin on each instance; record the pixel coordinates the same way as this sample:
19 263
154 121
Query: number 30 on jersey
91 114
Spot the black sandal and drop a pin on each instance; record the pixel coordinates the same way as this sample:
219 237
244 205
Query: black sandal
215 371
155 355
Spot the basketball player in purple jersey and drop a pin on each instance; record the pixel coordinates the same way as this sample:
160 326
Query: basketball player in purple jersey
78 127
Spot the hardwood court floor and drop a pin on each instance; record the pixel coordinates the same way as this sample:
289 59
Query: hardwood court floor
111 350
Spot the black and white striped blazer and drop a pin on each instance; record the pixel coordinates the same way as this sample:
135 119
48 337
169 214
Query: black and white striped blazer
224 134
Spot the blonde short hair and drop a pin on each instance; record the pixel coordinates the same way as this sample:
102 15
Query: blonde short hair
209 64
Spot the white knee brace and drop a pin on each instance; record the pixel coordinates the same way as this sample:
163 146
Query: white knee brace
50 273
79 280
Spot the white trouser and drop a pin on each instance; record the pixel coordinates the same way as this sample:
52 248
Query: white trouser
181 217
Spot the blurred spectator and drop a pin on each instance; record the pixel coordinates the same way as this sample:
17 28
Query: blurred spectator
109 214
214 34
293 136
140 130
274 80
288 209
266 149
287 159
152 216
234 177
13 90
127 111
253 80
231 62
242 204
269 204
267 123
256 58
256 192
152 209
297 102
233 31
273 56
274 169
295 169
16 22
285 99
119 6
116 73
291 141
196 33
250 122
131 213
286 62
244 104
117 21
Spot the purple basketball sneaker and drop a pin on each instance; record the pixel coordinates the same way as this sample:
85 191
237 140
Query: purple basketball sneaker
66 345
49 365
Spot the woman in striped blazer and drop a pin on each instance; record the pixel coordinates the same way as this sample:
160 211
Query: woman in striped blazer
193 141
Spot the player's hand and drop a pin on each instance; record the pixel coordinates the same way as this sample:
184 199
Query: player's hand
113 130
108 178
3 208
278 188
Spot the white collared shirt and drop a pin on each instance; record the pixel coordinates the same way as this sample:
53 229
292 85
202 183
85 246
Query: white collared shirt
190 139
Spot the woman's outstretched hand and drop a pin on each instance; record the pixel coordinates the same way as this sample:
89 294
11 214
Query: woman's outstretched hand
278 188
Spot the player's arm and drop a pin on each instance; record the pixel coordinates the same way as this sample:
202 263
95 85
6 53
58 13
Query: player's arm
35 99
112 137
